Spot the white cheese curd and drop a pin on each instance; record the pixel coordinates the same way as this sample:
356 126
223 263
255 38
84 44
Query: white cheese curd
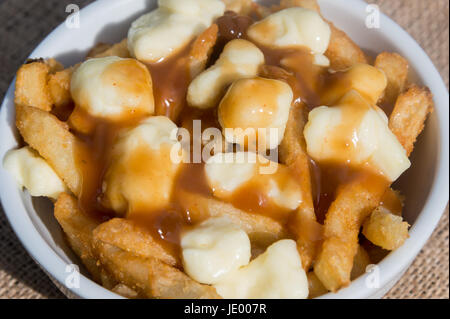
293 27
166 30
143 170
227 173
113 88
239 59
34 173
356 133
276 274
213 249
254 113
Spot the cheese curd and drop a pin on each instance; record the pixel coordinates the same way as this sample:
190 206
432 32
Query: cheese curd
34 173
145 163
164 31
228 173
113 88
213 249
239 59
355 133
293 27
276 274
254 113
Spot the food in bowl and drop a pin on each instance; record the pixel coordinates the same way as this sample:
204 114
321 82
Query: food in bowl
221 149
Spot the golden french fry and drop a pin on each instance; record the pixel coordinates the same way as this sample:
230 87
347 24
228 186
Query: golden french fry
31 86
52 140
202 49
411 110
396 69
54 66
316 288
78 229
262 230
393 201
293 154
150 277
128 236
342 51
103 50
59 86
385 229
360 263
354 202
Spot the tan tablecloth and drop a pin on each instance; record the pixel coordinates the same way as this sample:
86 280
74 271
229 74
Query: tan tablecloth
26 22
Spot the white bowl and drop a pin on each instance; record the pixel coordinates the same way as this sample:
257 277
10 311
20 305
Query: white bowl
425 185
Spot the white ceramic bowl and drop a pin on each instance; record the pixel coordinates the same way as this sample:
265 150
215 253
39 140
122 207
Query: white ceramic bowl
425 185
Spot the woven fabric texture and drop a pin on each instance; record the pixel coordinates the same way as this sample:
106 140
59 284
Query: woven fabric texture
26 22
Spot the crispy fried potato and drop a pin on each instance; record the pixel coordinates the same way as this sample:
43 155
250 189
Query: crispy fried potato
128 236
53 141
316 288
307 4
54 66
103 50
31 86
59 86
342 51
202 50
396 69
148 276
262 230
385 229
411 110
360 263
78 229
354 202
293 154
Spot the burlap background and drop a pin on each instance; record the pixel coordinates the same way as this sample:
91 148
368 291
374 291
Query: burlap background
24 23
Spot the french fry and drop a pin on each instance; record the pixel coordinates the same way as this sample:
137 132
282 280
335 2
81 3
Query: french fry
262 230
360 263
105 50
293 154
342 51
128 236
59 86
385 229
396 69
411 110
31 86
54 66
354 202
316 288
202 49
78 229
148 276
52 140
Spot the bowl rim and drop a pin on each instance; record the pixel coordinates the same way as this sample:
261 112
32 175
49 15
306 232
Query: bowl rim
391 266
